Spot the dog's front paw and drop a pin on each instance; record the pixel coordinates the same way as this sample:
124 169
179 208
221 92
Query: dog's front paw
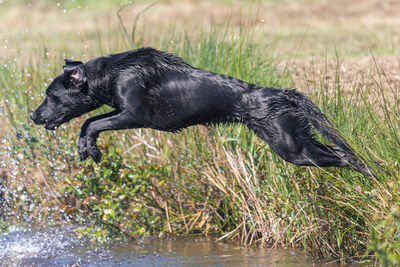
82 150
95 153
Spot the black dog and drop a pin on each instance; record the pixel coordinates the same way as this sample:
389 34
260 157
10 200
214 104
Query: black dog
153 89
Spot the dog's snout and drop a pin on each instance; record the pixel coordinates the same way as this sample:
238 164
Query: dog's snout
34 117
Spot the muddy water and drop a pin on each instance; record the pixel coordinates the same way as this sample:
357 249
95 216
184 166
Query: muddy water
61 247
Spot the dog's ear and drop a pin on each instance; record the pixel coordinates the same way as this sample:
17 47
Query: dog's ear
69 62
74 74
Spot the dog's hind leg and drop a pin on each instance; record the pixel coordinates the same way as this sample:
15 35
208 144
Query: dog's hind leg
289 135
286 119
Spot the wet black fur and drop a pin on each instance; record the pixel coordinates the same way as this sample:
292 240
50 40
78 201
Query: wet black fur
152 89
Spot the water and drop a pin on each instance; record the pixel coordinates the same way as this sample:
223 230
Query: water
61 247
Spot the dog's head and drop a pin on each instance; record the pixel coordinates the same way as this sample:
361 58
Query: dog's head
66 97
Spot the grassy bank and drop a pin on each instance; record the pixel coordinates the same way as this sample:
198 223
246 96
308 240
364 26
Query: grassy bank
221 180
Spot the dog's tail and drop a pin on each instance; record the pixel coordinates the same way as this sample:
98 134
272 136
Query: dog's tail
324 125
327 129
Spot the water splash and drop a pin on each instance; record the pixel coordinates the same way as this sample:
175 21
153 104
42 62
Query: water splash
61 247
22 246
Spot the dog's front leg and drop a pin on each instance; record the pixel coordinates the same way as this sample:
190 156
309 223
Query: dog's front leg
120 121
82 142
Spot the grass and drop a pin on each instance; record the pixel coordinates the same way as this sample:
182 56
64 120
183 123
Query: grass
221 180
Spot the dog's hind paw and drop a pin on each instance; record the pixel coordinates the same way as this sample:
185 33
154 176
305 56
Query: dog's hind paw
82 151
83 155
95 153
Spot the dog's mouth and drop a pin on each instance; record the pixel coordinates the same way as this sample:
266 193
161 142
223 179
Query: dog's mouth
52 125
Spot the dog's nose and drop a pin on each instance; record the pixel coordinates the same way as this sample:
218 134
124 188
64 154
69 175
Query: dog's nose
33 117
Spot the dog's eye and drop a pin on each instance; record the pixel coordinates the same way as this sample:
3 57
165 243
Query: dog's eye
55 99
67 84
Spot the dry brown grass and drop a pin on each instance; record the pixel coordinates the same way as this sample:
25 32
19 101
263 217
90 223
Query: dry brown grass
376 77
309 34
304 27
